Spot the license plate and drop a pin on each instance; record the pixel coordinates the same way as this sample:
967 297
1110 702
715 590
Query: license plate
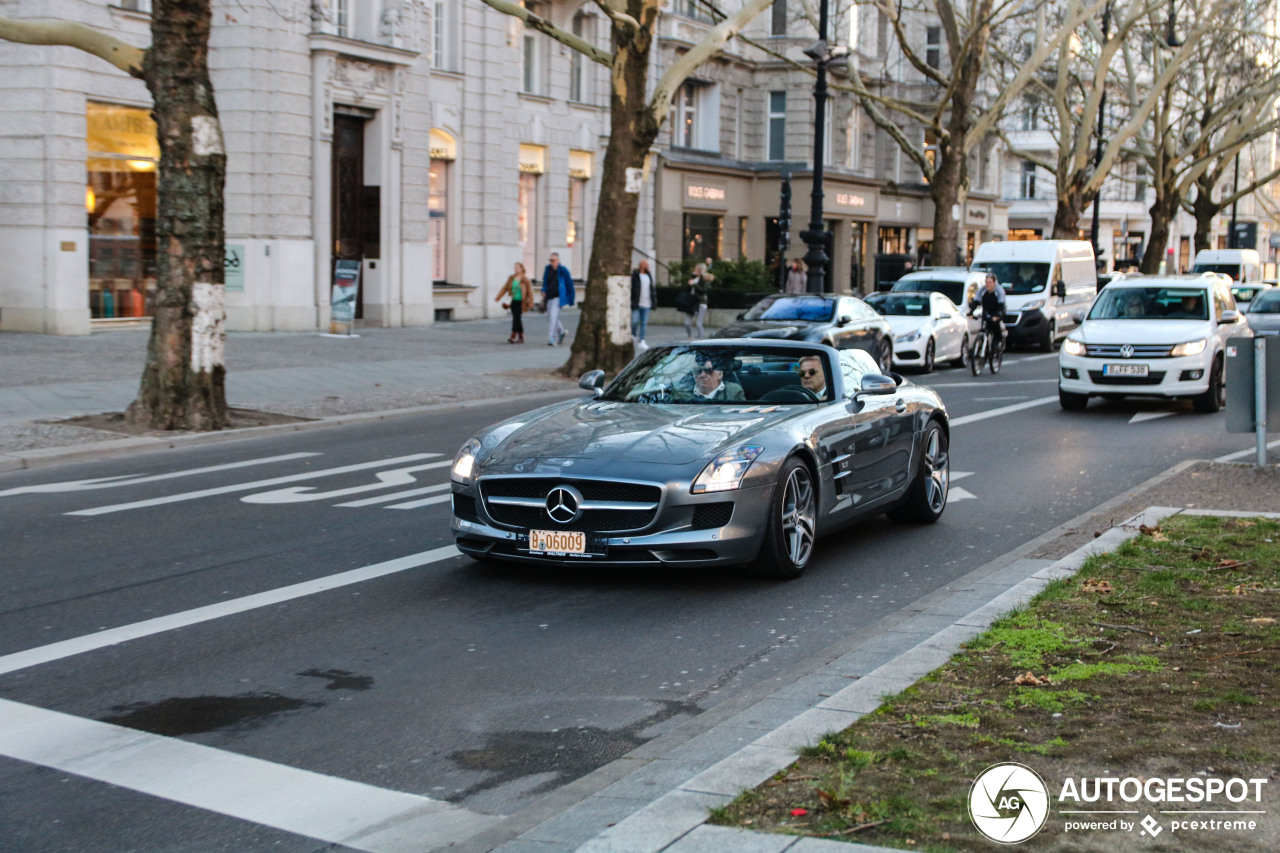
566 542
1124 369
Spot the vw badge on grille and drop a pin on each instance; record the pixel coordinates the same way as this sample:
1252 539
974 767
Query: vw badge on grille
1127 351
564 504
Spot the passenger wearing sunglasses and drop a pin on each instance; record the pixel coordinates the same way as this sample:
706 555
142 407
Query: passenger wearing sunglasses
709 384
812 376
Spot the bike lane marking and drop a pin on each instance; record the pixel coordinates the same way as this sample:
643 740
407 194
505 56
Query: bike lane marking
1003 410
315 805
132 479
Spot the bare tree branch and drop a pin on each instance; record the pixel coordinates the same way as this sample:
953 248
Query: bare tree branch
124 56
550 30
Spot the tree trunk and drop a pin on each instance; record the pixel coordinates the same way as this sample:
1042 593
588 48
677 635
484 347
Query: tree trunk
945 190
1204 208
1162 213
183 383
1071 205
633 128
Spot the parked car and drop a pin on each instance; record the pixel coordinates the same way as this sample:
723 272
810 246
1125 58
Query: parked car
1245 293
1154 336
927 328
649 471
1048 285
1244 266
1264 313
959 284
842 322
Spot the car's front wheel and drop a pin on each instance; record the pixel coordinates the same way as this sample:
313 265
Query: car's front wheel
929 355
791 528
1072 402
926 497
963 359
1215 396
884 357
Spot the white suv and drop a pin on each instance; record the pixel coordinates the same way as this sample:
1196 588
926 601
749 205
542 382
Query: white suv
1153 336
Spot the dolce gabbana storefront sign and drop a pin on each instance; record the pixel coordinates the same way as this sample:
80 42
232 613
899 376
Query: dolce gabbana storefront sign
700 192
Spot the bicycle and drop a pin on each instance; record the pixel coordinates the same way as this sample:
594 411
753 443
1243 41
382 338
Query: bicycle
985 348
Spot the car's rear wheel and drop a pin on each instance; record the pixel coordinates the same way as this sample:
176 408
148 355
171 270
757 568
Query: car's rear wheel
963 358
927 495
1050 337
1215 396
1072 402
929 355
791 528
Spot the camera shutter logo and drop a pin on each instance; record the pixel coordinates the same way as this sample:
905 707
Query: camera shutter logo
1009 803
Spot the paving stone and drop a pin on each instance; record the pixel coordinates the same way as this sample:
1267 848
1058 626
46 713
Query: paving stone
746 768
584 821
726 839
808 728
657 825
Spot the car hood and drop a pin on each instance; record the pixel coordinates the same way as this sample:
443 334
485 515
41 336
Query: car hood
1141 331
626 432
902 325
782 329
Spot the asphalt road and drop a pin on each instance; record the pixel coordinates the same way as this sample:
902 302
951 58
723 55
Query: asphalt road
481 688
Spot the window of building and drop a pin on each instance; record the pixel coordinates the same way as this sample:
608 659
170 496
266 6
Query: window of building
697 120
136 5
778 26
930 151
442 35
443 150
703 236
1030 114
742 237
120 202
1027 180
933 47
342 17
882 33
533 159
580 166
855 138
577 63
1140 183
532 50
777 126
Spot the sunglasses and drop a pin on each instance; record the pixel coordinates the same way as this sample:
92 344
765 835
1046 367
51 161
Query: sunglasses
810 372
706 370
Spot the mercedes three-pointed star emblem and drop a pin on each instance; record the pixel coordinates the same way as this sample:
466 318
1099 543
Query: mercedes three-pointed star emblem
564 504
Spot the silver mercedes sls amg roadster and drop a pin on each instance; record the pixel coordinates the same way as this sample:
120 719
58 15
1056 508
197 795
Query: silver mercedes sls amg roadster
737 452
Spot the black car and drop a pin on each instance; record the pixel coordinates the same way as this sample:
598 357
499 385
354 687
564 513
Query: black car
842 322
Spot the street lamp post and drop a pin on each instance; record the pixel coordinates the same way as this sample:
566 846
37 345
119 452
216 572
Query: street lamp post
817 237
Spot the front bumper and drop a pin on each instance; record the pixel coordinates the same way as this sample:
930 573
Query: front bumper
910 353
1025 327
687 530
1186 376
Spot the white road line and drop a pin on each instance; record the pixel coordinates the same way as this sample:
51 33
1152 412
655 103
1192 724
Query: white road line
314 805
956 493
990 384
998 399
1020 359
114 636
1249 452
386 479
130 479
258 484
394 496
424 502
1139 417
1003 410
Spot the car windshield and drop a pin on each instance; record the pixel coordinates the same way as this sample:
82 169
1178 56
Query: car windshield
1265 303
1150 303
811 309
1232 270
1017 277
1245 294
953 290
904 305
693 375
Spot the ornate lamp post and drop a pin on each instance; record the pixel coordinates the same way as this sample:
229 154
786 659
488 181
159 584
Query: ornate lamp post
817 237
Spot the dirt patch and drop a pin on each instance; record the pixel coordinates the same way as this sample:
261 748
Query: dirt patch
1158 660
115 422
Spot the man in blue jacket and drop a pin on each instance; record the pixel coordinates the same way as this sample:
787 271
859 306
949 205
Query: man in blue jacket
557 287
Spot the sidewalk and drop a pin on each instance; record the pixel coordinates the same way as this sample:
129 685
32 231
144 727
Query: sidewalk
656 798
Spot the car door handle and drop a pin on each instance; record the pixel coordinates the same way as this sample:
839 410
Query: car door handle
900 405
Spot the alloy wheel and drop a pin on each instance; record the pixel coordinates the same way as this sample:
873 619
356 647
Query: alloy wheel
937 464
797 516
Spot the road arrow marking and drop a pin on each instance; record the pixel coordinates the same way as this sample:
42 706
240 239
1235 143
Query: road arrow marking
1148 416
955 493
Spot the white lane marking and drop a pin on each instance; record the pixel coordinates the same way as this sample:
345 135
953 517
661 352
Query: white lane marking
1020 359
424 502
114 636
300 494
395 496
1139 417
131 479
998 399
258 484
960 475
1003 410
958 494
1001 382
1250 451
314 805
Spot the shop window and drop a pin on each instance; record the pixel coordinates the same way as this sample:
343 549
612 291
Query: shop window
438 212
573 238
777 126
120 203
527 221
703 236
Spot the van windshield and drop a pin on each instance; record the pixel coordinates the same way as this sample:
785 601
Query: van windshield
1018 277
1232 270
953 290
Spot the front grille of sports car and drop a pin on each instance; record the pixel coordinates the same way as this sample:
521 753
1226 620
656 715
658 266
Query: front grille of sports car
1155 377
643 499
1139 351
708 516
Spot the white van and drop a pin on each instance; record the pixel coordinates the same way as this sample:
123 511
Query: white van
1048 285
1243 265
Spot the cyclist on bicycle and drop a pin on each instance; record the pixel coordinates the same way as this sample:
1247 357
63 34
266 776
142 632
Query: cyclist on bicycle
991 300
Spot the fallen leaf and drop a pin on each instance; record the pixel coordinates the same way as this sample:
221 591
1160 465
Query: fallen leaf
799 812
1029 679
1262 620
1246 588
1227 564
1147 531
1097 585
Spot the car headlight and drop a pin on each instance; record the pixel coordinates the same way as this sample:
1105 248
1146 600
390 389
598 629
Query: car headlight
464 463
1189 348
1071 347
908 337
725 472
1033 305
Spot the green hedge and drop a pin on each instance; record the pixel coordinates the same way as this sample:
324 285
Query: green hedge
740 275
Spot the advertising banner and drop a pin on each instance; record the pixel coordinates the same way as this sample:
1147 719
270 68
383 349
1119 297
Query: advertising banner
342 305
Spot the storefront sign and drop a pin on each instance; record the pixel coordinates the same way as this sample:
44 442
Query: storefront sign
233 268
705 193
342 304
533 159
850 200
977 216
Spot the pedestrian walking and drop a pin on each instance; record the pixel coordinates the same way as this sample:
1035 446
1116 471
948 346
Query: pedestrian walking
517 287
641 303
557 290
797 279
698 287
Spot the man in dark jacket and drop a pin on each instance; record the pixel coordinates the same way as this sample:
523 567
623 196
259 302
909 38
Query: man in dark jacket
557 287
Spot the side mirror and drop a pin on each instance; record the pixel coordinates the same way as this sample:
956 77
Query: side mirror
1229 316
742 314
1060 290
592 380
844 320
875 384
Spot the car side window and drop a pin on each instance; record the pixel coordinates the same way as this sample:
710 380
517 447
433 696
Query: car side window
855 364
